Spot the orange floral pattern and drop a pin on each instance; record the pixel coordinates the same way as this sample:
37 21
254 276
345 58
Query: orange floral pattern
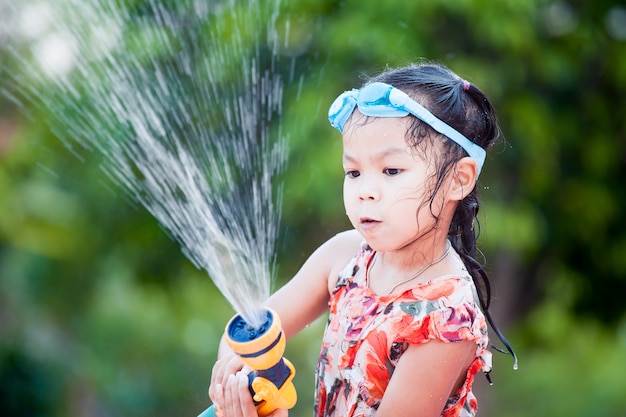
366 334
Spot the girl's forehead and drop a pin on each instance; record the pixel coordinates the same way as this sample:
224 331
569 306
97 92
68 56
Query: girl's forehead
376 131
381 128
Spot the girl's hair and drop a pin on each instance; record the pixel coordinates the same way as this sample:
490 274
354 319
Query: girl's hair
466 108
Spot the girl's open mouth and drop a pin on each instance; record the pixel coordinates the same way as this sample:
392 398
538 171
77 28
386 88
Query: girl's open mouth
368 222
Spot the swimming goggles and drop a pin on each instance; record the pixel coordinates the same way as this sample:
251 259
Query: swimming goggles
384 100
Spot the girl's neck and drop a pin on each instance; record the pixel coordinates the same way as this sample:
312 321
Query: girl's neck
397 270
416 254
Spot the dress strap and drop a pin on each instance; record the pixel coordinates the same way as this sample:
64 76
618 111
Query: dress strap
356 269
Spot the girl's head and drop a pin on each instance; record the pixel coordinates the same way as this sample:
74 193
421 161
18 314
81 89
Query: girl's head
448 120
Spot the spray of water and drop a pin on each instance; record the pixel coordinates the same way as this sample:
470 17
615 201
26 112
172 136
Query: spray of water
180 99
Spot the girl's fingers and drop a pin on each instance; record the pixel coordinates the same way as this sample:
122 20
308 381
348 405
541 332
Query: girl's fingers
228 408
245 399
237 399
234 399
228 365
218 398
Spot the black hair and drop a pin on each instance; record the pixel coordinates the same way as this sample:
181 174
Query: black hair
464 107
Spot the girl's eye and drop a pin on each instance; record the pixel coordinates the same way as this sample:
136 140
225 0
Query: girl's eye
391 171
352 174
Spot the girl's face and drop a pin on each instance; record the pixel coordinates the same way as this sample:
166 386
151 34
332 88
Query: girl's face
385 185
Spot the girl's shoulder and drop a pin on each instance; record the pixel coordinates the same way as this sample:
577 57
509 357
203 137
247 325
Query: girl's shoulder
346 243
338 251
349 238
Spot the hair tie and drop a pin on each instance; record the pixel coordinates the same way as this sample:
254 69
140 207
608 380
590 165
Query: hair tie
466 85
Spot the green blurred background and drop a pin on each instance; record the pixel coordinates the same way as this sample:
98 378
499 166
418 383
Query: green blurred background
102 315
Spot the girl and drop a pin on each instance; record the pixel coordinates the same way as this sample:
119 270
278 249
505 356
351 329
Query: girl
407 327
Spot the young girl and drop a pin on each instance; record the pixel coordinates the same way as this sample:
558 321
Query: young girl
407 328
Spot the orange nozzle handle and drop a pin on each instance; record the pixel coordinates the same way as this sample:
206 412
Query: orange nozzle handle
262 349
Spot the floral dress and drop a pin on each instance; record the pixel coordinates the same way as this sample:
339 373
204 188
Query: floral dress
366 334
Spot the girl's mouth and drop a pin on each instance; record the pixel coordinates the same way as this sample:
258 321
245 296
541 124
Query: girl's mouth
367 222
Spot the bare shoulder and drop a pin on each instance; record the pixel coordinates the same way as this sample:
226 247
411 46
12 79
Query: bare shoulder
337 251
348 240
339 247
308 291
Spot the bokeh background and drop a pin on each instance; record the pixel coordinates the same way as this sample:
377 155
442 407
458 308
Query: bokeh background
102 315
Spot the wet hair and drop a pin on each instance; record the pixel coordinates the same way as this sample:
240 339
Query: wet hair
465 107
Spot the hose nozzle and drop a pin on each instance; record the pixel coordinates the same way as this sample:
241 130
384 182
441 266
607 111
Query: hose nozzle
261 348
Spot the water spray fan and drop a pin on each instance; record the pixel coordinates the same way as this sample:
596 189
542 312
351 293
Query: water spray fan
261 348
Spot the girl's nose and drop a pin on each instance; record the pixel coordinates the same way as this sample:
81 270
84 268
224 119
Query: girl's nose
368 190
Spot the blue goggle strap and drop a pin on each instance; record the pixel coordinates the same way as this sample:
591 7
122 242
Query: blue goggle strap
383 100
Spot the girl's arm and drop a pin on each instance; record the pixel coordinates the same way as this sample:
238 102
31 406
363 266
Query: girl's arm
426 375
305 297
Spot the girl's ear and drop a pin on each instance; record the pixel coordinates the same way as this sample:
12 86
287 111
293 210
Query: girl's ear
463 178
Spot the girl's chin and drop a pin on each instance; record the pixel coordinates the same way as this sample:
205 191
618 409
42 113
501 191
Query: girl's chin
377 245
388 246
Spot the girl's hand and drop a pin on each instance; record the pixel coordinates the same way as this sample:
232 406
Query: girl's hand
234 400
228 365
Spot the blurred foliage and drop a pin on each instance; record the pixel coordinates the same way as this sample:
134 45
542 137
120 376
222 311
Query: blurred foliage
101 314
